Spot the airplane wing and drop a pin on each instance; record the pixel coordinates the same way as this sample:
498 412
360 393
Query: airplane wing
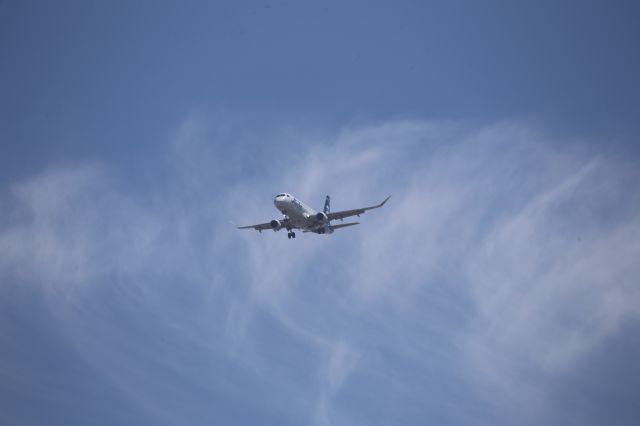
355 212
265 226
259 227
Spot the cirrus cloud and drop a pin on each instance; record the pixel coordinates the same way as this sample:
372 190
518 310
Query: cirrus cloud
503 260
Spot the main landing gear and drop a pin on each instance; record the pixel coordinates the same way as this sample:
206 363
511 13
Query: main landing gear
291 235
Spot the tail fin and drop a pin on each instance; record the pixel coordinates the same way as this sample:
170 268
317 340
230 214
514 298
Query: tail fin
327 202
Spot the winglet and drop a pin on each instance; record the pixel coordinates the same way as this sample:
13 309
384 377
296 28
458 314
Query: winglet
377 206
385 200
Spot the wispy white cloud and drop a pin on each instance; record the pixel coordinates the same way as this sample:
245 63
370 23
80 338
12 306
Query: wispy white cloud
502 258
555 278
47 240
342 360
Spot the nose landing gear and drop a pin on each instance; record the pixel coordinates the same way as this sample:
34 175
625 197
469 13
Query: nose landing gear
291 235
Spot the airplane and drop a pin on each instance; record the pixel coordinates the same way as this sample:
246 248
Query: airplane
297 215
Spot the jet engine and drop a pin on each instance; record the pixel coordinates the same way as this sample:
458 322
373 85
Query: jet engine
275 224
324 230
322 217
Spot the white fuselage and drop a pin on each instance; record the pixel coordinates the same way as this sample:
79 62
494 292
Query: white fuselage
299 214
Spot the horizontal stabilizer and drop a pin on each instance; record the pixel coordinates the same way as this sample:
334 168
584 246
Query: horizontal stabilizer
344 225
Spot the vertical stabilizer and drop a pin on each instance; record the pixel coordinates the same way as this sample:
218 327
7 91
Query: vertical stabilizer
327 207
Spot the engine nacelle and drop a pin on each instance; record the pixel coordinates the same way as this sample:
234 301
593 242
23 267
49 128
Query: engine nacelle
324 230
275 224
322 217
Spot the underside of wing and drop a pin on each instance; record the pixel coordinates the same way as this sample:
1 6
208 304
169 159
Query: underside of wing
354 212
259 227
274 225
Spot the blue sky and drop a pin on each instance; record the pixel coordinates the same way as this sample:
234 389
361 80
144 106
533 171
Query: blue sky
498 286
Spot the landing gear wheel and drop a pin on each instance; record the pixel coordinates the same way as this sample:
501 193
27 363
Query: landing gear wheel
289 235
293 235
